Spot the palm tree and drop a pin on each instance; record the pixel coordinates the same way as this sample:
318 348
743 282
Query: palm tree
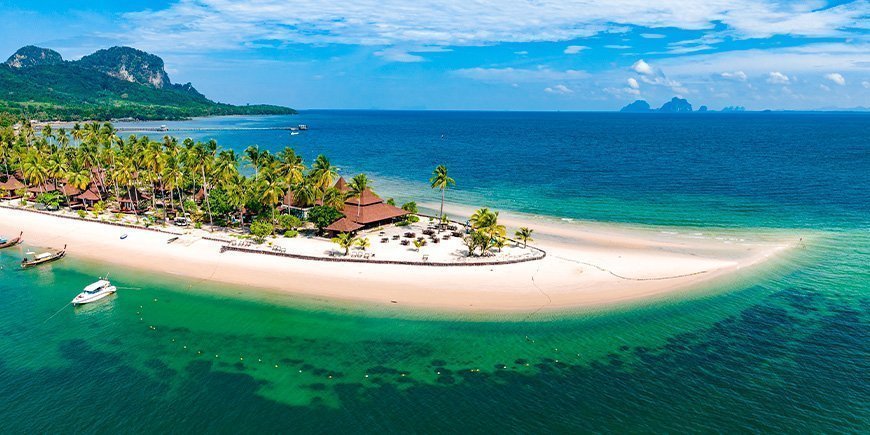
363 243
305 193
485 222
358 185
440 180
323 173
155 163
290 167
524 234
273 192
252 153
345 241
333 197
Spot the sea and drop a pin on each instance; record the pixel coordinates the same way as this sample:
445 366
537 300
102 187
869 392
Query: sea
784 350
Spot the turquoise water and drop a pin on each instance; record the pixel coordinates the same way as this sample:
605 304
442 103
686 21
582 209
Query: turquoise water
783 350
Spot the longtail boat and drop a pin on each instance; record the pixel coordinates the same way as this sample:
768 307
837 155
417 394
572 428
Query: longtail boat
45 257
10 243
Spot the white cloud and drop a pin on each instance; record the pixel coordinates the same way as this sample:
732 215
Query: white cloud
618 47
824 88
521 53
201 25
736 75
641 67
865 84
558 89
397 55
836 78
777 78
540 74
652 35
655 76
574 49
632 83
819 58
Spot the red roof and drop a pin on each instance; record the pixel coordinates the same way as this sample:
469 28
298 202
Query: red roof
11 184
92 194
344 225
341 185
376 212
43 188
367 197
70 190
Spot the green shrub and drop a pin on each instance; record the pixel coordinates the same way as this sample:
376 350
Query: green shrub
291 234
82 214
260 229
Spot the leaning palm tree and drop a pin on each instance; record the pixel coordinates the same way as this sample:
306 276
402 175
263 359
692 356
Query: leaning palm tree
524 234
345 241
333 197
358 184
440 180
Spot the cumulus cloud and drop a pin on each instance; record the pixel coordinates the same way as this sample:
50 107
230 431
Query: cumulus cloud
736 75
632 83
656 77
643 68
836 78
200 25
777 78
866 84
558 89
574 49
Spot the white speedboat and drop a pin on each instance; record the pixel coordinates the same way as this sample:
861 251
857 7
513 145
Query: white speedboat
95 292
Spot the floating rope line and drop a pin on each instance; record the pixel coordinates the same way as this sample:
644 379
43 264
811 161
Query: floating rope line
627 278
58 312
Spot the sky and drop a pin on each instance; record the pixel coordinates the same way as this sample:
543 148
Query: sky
478 54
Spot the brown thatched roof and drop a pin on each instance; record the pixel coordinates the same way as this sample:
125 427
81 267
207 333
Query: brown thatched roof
343 225
92 194
42 188
11 184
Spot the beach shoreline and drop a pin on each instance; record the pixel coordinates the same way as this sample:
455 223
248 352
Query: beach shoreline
584 268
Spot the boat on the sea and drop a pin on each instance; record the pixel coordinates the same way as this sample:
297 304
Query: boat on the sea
4 243
303 127
42 258
95 292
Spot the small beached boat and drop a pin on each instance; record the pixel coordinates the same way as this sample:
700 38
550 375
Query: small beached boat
45 257
4 243
95 292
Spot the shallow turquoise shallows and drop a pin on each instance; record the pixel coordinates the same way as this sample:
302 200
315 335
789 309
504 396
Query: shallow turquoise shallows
785 350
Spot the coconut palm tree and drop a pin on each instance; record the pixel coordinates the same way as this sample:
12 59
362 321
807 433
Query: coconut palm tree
252 154
345 241
440 180
524 234
363 243
290 167
323 174
358 184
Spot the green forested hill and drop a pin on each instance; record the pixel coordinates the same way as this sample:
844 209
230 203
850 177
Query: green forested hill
64 90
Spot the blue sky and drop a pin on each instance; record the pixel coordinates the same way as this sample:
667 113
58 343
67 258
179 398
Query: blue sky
478 54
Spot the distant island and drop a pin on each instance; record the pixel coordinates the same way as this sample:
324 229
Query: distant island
676 105
118 82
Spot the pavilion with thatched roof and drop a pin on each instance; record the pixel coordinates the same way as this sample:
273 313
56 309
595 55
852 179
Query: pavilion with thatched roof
90 197
8 188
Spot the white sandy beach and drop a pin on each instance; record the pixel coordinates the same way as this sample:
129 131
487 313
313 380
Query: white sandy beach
584 267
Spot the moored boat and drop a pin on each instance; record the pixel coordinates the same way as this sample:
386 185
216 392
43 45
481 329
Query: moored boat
8 243
45 257
95 292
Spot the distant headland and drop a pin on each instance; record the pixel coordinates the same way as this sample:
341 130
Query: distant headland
118 82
